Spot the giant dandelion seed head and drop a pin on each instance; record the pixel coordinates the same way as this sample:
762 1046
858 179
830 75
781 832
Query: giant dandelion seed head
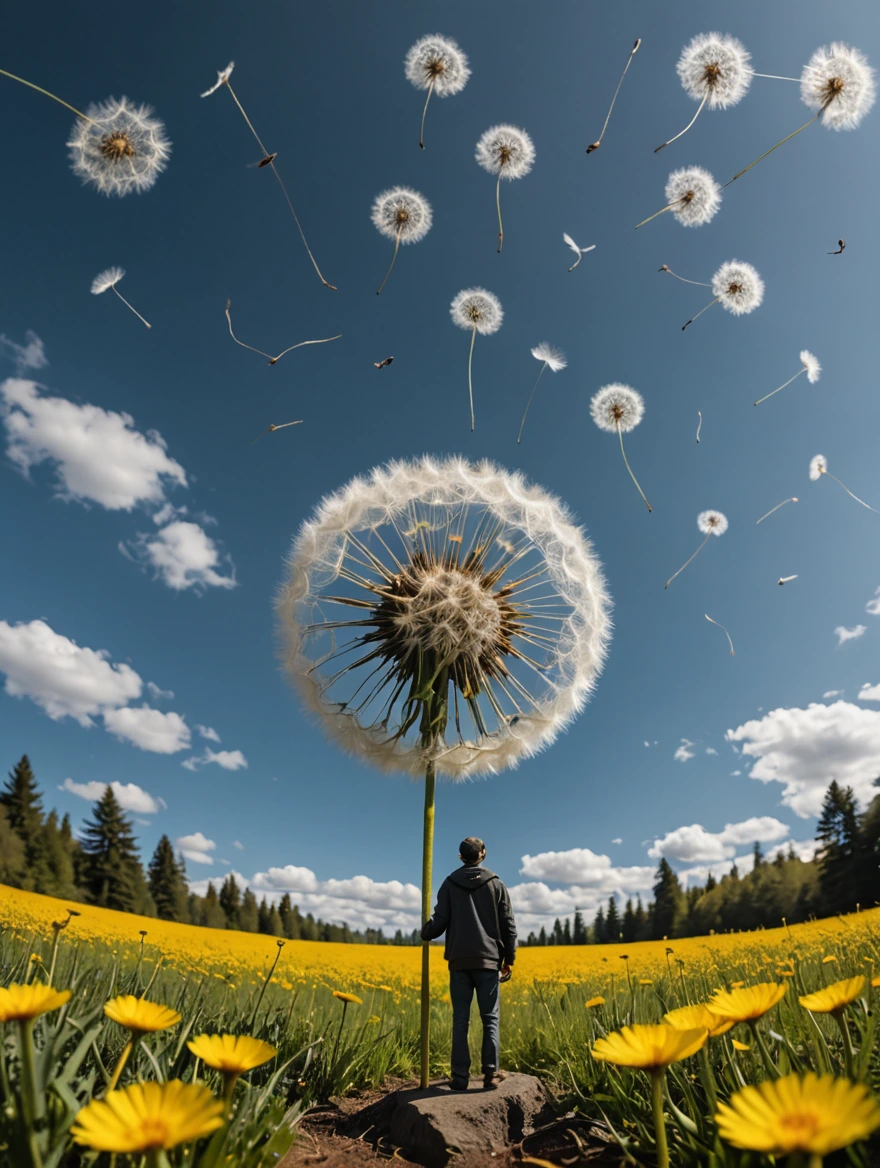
715 67
738 287
437 60
506 150
122 149
694 195
223 76
818 467
553 358
617 406
810 362
443 581
838 80
403 211
712 521
475 308
106 279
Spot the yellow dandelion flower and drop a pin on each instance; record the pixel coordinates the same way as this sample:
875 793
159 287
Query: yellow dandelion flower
148 1116
646 981
737 985
23 1003
875 981
36 957
794 1114
785 973
597 1001
353 998
140 1016
387 989
834 997
748 1003
737 1045
232 1054
830 957
373 1019
649 1047
446 999
696 1017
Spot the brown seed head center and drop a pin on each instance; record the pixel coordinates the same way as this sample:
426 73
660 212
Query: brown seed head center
436 66
617 411
733 289
504 155
712 74
402 216
834 86
117 146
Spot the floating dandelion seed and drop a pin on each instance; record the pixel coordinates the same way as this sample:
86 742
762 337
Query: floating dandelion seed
119 147
508 152
595 145
737 287
723 629
819 467
268 159
480 312
699 283
699 424
272 427
403 215
437 64
786 579
551 358
619 408
109 278
692 195
839 84
580 252
714 70
841 244
461 657
273 360
809 365
793 499
709 523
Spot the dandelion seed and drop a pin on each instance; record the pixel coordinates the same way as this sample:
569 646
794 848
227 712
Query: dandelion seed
508 152
819 467
109 278
841 244
382 364
699 424
793 499
437 64
268 159
595 145
723 629
737 287
551 358
786 579
272 427
480 312
714 70
699 283
403 215
692 195
580 252
809 365
619 408
273 360
709 523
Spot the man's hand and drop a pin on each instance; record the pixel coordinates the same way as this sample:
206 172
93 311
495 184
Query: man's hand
506 972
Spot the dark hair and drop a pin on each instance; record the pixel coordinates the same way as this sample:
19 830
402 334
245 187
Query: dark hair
472 850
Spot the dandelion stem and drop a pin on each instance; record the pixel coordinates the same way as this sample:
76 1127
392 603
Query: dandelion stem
498 206
740 173
700 313
847 1043
793 499
31 85
699 283
393 258
770 1067
595 145
121 1062
659 1121
127 305
280 946
529 402
687 127
790 380
848 491
339 1034
629 468
693 557
774 77
427 874
31 1103
723 629
470 378
424 112
708 1080
668 207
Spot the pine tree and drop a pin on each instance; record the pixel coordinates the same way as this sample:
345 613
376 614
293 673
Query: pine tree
667 902
274 923
711 882
599 934
628 927
12 862
579 929
542 936
166 879
57 856
249 913
757 856
113 874
612 923
838 834
24 809
869 853
263 917
566 932
212 915
643 920
230 902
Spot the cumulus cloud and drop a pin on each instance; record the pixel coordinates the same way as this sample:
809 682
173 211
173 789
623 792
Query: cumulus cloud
184 556
238 845
694 844
587 870
684 752
617 841
229 760
711 750
804 749
149 729
698 873
208 732
30 355
196 848
869 693
130 796
97 455
843 634
873 605
157 694
833 693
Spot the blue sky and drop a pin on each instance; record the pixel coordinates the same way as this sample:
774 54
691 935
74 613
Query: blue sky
324 86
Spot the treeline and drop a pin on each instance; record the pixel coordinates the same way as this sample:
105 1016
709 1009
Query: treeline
40 853
844 875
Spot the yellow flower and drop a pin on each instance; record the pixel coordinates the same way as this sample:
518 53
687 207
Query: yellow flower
597 1001
736 985
348 998
695 1017
785 973
646 981
748 1003
373 1019
231 1054
794 1114
737 1045
830 957
834 997
22 1003
148 1116
139 1016
649 1047
875 981
387 989
36 957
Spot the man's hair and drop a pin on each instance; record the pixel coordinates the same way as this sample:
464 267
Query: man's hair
472 850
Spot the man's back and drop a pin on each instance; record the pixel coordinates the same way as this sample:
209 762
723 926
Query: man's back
473 909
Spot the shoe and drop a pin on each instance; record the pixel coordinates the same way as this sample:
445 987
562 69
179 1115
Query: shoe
492 1078
457 1084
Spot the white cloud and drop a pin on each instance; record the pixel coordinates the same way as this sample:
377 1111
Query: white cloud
208 732
805 749
238 845
684 752
697 874
873 605
59 676
617 841
869 693
130 796
157 694
229 760
184 556
736 773
711 750
149 729
30 355
98 456
290 878
693 844
833 693
843 634
196 848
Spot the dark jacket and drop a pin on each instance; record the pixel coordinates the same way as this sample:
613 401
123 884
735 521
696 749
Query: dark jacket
473 910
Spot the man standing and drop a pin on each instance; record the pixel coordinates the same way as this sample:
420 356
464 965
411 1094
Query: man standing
473 910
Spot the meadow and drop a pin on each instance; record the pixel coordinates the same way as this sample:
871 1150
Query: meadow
344 1016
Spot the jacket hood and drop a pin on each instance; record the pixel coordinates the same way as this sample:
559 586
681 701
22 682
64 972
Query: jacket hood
470 876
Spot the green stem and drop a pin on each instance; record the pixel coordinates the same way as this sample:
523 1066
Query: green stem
427 874
770 1067
470 375
120 1064
708 1080
32 1104
659 1121
229 1081
339 1032
280 945
46 93
847 1043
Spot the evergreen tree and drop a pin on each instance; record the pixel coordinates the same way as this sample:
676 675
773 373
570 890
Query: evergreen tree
166 880
113 874
579 929
612 923
309 928
24 810
667 902
263 917
557 933
12 863
249 913
212 914
869 853
711 882
230 901
566 932
57 856
838 835
274 928
643 920
599 934
628 926
542 936
758 856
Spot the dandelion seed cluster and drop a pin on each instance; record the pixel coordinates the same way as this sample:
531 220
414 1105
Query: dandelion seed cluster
477 308
738 287
818 467
402 212
121 149
811 363
713 522
616 407
553 358
506 150
716 69
838 80
437 62
106 279
694 195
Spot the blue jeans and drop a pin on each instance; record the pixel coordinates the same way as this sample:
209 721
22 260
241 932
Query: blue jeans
462 984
